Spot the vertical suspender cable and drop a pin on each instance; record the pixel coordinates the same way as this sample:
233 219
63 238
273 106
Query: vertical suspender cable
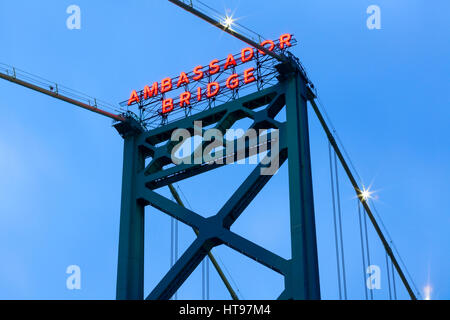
171 242
388 276
340 227
203 281
363 254
334 222
365 204
207 278
367 251
393 280
176 251
172 262
174 246
205 262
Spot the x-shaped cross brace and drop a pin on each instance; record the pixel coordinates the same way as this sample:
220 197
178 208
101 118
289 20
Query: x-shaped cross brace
214 231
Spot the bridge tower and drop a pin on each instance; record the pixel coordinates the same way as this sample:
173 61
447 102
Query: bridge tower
301 275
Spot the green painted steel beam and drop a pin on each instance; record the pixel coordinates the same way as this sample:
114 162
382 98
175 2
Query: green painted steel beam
214 262
130 268
303 281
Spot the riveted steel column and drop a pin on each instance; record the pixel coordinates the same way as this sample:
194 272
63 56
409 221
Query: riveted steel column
302 281
130 268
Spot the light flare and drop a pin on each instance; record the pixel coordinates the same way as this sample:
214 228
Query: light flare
427 292
366 194
228 22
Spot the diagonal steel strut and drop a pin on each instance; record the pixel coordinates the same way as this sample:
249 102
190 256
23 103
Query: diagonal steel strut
210 255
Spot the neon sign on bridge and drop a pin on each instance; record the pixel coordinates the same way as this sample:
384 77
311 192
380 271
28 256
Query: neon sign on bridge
217 78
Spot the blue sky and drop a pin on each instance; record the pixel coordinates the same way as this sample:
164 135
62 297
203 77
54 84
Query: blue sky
386 91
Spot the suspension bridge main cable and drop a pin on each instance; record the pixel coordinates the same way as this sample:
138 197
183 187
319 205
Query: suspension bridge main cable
336 135
359 194
311 97
54 90
394 246
190 8
326 124
231 277
219 16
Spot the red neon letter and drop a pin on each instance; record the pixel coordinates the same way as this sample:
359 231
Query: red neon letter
233 81
166 85
244 56
133 97
248 75
212 92
214 67
150 92
199 73
182 80
285 40
199 94
266 42
230 62
185 99
167 105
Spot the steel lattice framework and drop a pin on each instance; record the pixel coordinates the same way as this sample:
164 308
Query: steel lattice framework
149 110
140 182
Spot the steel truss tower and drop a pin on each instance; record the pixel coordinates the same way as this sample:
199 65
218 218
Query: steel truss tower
301 274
